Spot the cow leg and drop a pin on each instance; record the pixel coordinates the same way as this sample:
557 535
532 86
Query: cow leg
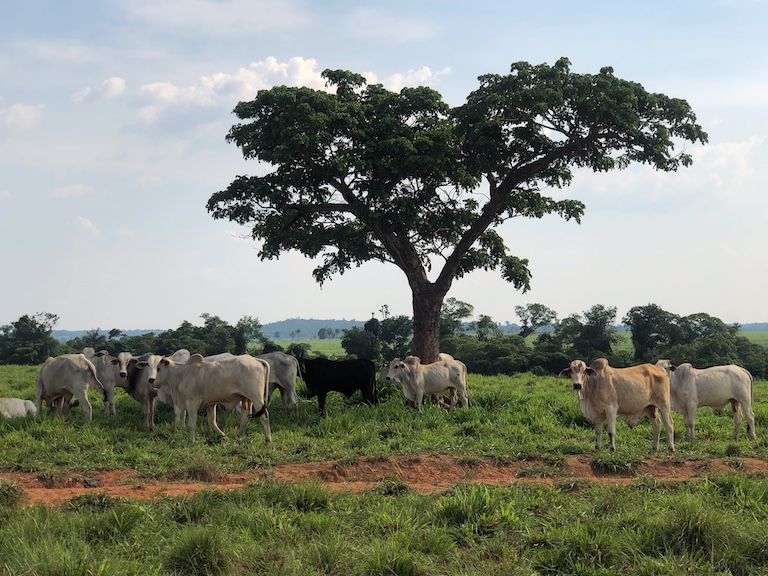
669 427
653 418
689 417
321 402
214 425
750 416
85 404
736 417
612 430
599 434
245 416
151 415
419 398
463 396
191 422
265 426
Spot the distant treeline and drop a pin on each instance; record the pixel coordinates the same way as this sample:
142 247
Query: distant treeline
484 345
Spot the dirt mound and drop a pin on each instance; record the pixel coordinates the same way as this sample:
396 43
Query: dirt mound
422 473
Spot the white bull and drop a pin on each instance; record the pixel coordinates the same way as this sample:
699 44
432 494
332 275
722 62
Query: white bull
417 380
201 385
692 388
16 408
65 376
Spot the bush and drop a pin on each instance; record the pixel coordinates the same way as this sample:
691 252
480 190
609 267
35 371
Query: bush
199 551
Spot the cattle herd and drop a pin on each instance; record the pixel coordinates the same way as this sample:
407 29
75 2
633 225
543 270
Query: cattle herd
244 384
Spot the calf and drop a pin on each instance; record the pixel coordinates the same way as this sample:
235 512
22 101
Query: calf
691 388
633 393
65 376
16 408
417 380
200 384
346 376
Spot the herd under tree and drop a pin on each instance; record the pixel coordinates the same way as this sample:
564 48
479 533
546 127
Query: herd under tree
359 173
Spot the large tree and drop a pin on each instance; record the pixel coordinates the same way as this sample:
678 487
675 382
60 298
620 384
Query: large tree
360 173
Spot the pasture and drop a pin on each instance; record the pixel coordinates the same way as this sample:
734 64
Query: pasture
553 523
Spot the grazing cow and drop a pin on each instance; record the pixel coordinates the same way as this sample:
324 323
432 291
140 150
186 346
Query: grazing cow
346 376
16 408
714 387
200 384
283 369
107 373
633 393
65 376
417 380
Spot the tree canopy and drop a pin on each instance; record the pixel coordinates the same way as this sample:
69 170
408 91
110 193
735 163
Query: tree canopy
360 173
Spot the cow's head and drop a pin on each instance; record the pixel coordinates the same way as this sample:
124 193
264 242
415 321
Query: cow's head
666 365
152 365
578 372
163 365
121 361
396 371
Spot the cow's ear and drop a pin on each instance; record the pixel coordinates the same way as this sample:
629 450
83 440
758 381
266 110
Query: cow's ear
115 360
164 361
565 373
672 367
590 371
101 353
142 364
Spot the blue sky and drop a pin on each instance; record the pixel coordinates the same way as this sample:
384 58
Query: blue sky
113 115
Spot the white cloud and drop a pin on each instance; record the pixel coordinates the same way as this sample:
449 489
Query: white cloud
5 195
20 115
227 89
73 191
88 226
423 76
373 24
110 88
222 18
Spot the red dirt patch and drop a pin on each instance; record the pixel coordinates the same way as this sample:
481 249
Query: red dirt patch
423 473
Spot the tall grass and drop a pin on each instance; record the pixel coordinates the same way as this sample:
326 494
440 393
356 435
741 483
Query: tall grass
697 528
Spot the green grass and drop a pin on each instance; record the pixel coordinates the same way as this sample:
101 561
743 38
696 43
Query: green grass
712 527
510 417
329 347
756 337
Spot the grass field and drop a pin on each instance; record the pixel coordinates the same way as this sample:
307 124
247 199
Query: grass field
714 526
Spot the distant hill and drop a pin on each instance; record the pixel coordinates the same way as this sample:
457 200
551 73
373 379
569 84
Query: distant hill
307 328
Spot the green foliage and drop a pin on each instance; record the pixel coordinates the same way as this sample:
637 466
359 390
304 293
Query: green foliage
11 495
534 316
361 343
361 173
28 340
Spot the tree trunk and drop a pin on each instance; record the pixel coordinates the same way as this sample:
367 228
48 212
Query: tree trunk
427 305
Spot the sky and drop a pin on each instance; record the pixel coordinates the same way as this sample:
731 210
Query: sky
113 117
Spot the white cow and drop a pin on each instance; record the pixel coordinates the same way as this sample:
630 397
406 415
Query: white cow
65 376
714 387
283 370
221 356
634 393
16 408
417 380
200 384
108 374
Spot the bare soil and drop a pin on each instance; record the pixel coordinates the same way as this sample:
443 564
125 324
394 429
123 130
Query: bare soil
422 473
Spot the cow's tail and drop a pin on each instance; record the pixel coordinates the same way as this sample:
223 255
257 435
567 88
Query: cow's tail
265 395
92 370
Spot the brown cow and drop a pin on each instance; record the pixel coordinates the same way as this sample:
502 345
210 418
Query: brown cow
633 393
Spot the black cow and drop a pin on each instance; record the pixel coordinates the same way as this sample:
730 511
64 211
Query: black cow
346 376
